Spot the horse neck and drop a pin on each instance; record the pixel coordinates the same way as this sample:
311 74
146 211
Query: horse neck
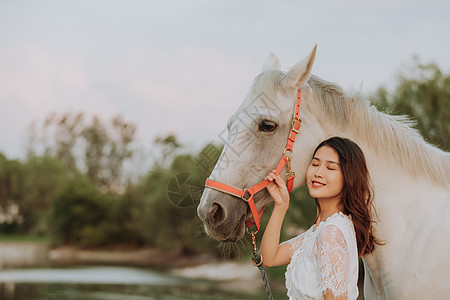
409 209
389 142
411 187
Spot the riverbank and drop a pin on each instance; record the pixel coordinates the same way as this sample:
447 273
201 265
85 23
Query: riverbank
23 255
232 275
38 254
138 257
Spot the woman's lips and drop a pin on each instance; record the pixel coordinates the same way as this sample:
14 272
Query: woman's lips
317 184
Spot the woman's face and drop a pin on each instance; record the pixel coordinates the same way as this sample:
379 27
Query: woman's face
324 176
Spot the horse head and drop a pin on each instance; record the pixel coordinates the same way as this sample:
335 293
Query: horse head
257 135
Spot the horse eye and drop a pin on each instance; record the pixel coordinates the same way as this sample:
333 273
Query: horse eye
267 126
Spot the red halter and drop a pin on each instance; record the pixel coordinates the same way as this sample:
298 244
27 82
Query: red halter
247 194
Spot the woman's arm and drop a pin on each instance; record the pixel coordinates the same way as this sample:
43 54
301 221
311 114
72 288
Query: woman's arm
274 254
332 259
329 296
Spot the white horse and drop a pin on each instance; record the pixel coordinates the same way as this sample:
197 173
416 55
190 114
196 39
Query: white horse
411 178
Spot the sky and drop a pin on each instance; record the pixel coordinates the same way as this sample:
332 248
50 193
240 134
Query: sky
183 67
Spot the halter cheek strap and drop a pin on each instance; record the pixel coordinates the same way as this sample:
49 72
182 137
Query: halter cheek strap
247 194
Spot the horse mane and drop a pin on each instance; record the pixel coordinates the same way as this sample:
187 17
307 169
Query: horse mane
268 83
391 136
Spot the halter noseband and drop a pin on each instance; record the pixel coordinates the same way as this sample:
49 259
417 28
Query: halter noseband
247 194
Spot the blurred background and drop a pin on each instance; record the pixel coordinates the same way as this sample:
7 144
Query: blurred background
113 114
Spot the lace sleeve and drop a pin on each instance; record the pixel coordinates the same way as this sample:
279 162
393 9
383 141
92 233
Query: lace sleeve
295 243
332 258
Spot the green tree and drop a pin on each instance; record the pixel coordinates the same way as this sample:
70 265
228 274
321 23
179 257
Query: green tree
60 136
79 215
44 179
122 136
96 138
11 182
168 213
423 93
167 147
98 147
26 192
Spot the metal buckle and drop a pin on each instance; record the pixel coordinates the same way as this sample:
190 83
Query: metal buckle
288 157
255 251
293 124
260 262
288 162
251 232
290 173
245 194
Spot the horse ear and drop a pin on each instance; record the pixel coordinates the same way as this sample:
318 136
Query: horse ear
299 73
272 63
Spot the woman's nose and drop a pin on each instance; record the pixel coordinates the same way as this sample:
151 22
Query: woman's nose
318 173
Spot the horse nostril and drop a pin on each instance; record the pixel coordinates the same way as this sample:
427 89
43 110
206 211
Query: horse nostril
216 214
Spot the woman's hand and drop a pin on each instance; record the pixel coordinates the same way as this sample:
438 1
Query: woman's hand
274 254
278 190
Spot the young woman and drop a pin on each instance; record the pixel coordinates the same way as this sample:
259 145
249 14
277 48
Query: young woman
323 261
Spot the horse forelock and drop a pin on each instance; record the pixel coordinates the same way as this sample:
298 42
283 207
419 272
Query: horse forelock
268 83
393 137
265 87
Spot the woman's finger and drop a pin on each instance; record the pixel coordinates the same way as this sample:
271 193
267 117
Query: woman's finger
271 177
280 183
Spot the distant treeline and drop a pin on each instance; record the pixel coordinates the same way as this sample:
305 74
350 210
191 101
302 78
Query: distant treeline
75 186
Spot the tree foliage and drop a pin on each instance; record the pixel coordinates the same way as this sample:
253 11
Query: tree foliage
44 179
97 147
423 93
11 181
171 196
168 147
27 190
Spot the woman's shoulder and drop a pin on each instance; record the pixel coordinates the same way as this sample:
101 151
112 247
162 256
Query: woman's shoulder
339 220
337 226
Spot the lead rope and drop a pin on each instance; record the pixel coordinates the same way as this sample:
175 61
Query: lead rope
257 261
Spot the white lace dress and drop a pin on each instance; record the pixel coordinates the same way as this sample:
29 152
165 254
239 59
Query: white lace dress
324 258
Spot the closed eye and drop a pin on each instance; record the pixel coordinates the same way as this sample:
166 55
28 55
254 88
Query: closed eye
267 126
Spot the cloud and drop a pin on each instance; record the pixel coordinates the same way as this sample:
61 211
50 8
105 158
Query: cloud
36 82
185 67
189 92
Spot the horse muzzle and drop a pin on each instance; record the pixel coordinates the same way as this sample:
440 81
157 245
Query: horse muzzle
223 216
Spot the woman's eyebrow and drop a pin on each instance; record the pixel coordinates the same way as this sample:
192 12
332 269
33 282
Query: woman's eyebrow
328 161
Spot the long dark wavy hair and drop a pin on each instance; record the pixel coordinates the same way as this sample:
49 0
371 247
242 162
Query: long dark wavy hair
357 193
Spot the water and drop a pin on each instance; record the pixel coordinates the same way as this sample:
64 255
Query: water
111 283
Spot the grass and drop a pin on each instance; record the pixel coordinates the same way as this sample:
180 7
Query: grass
273 272
277 272
24 238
